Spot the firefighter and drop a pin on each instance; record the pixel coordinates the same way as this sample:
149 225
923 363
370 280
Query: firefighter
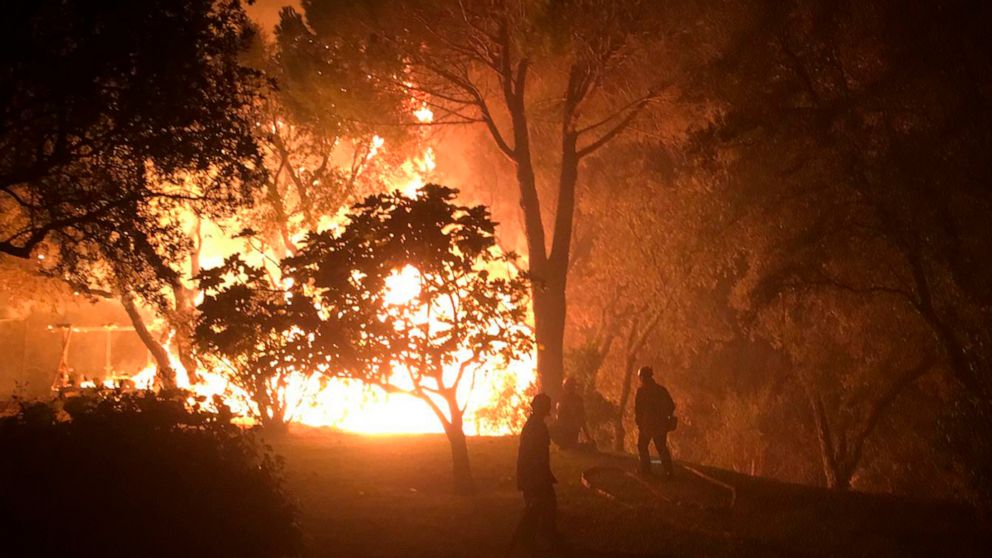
654 411
535 480
572 418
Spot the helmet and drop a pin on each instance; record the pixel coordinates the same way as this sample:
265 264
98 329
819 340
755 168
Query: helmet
541 403
645 372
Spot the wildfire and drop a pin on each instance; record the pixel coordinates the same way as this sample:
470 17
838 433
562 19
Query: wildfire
314 399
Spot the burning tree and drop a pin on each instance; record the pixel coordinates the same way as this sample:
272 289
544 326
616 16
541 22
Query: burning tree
431 271
320 156
412 296
253 330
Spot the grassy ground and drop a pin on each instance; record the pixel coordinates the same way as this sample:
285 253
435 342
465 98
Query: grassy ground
390 496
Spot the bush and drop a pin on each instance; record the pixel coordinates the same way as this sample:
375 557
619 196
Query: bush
138 475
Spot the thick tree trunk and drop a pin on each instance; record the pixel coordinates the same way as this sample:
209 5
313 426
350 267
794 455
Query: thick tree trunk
181 321
186 311
549 328
274 425
548 273
165 373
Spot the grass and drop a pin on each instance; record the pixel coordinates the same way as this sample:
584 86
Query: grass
391 496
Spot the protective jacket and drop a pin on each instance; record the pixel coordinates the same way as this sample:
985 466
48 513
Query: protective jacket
653 407
534 458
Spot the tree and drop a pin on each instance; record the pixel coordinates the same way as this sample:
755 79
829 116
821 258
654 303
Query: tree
107 107
440 301
867 181
412 296
117 118
321 153
651 265
552 83
257 334
851 369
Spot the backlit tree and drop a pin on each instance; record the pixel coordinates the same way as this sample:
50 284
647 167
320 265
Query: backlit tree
431 270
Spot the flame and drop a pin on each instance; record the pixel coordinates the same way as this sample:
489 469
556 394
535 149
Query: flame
313 398
346 404
424 114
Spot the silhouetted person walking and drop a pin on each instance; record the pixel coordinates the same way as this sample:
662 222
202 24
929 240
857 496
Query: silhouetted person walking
571 418
654 412
535 480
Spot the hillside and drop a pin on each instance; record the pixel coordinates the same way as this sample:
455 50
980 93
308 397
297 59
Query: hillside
390 496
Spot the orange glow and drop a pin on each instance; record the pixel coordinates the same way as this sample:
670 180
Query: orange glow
314 399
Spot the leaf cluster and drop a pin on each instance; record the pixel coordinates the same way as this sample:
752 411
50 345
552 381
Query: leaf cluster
338 313
115 115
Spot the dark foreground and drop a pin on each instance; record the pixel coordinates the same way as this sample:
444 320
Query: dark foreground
390 496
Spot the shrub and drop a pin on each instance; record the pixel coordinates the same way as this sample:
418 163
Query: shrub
138 475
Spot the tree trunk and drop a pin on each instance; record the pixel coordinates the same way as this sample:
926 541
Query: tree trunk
184 351
185 314
549 328
961 365
274 425
165 373
620 434
271 410
461 468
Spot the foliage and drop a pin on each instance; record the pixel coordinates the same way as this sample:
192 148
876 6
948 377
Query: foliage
510 407
847 173
319 133
123 474
109 108
256 332
342 312
465 312
964 429
466 297
862 239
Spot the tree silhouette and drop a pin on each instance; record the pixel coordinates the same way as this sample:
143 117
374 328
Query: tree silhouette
107 108
255 332
117 118
412 296
431 271
865 187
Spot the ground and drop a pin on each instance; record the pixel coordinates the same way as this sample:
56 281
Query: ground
391 496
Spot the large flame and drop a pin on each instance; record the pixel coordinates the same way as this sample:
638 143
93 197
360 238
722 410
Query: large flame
315 399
